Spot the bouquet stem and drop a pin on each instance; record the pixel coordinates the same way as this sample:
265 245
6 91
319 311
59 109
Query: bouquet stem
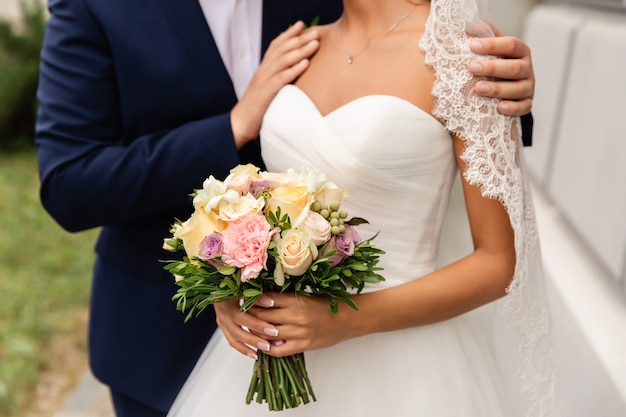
280 382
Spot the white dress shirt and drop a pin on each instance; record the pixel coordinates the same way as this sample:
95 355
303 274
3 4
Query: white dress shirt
236 28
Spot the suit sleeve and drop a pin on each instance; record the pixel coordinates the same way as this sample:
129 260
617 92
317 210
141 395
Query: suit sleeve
527 129
91 173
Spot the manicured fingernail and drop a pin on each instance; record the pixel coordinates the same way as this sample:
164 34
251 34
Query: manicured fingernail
264 346
476 67
483 88
271 331
278 342
476 46
504 107
266 301
252 355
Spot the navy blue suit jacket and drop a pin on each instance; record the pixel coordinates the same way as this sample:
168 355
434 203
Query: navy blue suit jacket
134 114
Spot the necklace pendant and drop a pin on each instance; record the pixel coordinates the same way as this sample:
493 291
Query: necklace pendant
349 59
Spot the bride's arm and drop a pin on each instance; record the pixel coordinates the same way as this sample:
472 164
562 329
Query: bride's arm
306 323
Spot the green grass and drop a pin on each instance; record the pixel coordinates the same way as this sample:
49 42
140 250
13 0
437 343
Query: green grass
44 281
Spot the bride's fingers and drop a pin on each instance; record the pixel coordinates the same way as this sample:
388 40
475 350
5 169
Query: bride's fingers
304 323
235 325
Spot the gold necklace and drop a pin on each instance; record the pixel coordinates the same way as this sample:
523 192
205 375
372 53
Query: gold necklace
351 56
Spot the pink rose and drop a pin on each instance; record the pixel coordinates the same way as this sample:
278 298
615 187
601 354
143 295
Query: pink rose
239 183
343 244
317 227
244 245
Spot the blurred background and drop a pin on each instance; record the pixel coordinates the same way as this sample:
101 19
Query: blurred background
577 165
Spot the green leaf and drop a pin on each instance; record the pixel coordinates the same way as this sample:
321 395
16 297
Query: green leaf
251 292
226 270
314 22
355 221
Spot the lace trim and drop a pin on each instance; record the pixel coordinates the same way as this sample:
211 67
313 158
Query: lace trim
493 164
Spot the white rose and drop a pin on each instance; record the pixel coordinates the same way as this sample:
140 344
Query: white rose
313 179
233 206
210 195
317 227
296 252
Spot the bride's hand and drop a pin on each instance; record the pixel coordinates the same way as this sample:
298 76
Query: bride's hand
304 323
285 60
234 323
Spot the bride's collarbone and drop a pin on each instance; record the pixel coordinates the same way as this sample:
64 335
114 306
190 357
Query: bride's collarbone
393 67
332 86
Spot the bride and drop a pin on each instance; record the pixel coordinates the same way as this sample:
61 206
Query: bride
387 110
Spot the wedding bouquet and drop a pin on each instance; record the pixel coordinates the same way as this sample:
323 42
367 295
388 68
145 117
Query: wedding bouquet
261 231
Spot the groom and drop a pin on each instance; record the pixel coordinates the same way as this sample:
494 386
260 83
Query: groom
138 104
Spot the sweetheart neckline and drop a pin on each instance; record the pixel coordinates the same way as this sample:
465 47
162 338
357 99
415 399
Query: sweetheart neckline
361 98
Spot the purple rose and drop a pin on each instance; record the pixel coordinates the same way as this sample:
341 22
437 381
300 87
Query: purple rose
211 247
343 244
258 186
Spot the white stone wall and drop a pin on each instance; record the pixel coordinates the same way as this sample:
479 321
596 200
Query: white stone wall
508 15
578 162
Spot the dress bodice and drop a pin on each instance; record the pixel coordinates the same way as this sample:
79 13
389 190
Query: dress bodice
394 159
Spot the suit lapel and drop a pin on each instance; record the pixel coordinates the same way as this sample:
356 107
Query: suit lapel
190 25
277 16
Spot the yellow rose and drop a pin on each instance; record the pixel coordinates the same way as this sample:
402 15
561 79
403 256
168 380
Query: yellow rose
330 193
247 169
294 200
296 252
196 228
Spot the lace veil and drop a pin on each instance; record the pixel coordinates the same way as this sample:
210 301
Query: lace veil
521 331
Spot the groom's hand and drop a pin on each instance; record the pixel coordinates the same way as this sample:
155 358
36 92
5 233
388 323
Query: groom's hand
513 71
285 60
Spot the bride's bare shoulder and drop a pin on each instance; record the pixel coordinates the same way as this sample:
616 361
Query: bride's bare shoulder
322 29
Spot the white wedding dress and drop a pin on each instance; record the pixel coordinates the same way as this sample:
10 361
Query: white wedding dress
397 163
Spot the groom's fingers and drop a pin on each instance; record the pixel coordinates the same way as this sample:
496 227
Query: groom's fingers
290 47
503 46
285 60
509 77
